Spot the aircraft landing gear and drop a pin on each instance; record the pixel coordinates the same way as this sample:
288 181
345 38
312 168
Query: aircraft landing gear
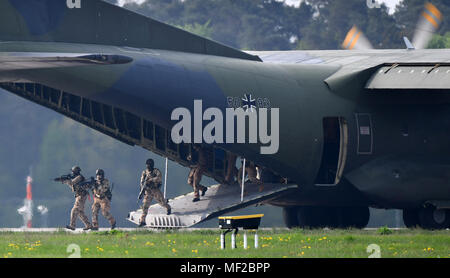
427 217
432 218
290 217
411 218
353 217
321 217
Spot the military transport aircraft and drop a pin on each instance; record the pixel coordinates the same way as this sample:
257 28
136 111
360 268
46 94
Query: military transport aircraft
357 129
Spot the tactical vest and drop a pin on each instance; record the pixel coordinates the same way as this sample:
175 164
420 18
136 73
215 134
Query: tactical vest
77 186
146 175
102 189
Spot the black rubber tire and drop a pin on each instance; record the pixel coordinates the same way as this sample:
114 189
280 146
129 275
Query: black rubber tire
332 217
290 217
363 217
429 221
317 217
354 217
411 218
305 217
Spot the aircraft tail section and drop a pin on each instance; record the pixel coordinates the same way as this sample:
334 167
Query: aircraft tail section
98 22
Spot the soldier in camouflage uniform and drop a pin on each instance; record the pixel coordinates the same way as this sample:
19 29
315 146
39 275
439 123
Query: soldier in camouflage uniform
102 199
195 176
191 176
251 171
81 193
151 179
232 171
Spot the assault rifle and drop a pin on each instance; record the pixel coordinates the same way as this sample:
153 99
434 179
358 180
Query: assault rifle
63 178
144 185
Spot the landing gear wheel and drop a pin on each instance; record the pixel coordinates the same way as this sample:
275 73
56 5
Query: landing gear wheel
434 219
411 218
354 217
290 217
363 217
333 217
309 217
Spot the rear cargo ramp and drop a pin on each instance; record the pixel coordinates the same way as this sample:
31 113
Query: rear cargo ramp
218 200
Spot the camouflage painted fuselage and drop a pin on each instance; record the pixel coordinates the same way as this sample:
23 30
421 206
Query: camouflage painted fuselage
408 160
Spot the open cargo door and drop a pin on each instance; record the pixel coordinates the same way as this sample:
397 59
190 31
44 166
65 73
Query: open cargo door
218 200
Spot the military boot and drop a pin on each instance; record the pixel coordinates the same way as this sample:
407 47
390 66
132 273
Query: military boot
142 224
113 225
70 228
169 210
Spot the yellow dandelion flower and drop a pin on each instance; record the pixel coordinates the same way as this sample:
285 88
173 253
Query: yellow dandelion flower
174 250
126 252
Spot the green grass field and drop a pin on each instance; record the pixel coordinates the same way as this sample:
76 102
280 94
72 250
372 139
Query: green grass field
206 244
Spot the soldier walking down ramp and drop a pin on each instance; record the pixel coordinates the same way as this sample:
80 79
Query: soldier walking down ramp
150 183
232 171
102 199
190 179
195 176
252 173
81 189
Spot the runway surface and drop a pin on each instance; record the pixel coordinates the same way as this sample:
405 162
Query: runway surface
80 230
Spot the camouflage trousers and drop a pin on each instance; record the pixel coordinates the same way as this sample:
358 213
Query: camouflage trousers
232 171
150 194
105 205
251 174
194 178
78 211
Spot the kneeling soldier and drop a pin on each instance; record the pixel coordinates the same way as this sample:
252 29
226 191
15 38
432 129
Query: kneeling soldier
150 183
102 199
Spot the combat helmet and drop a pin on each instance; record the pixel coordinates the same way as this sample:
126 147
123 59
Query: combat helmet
76 169
150 163
100 172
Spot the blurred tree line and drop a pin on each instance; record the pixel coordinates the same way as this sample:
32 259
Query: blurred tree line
32 136
274 25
